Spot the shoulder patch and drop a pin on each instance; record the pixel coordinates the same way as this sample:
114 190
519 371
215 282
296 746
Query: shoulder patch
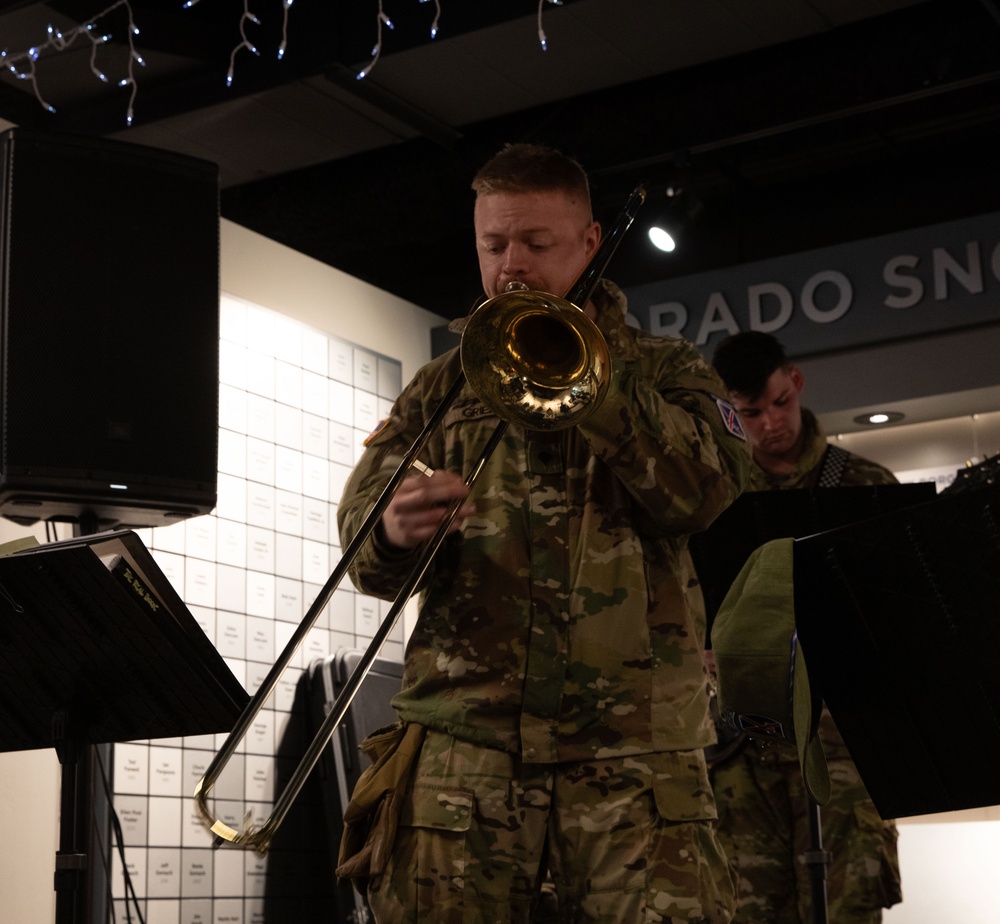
379 427
730 418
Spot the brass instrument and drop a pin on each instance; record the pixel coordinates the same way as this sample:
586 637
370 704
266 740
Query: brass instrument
535 360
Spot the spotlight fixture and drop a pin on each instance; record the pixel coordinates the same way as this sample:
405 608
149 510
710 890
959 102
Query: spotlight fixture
879 418
661 238
669 224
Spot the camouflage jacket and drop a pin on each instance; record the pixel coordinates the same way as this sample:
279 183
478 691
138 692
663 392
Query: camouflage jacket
857 472
565 621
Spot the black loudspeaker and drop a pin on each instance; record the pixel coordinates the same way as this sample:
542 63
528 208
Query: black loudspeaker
109 346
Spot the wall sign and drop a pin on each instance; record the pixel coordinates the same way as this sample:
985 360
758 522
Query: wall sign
916 282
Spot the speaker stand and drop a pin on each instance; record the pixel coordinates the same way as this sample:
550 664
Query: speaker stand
76 896
84 823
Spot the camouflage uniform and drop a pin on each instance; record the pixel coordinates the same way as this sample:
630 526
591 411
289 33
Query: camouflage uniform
763 821
557 655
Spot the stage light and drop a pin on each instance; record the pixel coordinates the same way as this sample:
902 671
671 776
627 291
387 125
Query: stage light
661 238
670 225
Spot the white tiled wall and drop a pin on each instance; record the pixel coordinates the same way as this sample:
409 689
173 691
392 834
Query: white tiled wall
294 407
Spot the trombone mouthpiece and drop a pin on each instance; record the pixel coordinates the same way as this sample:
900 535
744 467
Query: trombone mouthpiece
515 285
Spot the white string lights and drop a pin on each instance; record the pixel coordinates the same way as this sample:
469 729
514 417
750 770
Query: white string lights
245 42
22 64
382 19
542 40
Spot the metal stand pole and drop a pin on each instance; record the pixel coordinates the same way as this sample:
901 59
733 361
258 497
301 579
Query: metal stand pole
817 860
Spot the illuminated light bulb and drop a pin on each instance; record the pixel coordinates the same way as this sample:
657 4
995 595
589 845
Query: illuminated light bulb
661 239
542 40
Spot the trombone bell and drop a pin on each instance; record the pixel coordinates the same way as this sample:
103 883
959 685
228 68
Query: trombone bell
535 360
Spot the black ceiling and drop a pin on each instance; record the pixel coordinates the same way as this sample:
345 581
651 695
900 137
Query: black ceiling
819 122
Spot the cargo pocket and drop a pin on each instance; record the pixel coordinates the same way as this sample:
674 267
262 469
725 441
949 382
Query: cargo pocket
878 840
432 834
438 809
681 787
689 877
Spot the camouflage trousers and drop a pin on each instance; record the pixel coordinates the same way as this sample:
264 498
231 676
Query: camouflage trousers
620 841
764 827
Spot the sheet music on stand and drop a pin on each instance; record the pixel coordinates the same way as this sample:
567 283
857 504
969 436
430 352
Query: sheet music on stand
92 634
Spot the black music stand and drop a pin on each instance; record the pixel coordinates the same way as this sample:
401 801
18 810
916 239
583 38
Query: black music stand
760 516
97 647
899 619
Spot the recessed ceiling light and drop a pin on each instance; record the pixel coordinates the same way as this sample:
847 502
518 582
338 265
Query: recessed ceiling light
878 418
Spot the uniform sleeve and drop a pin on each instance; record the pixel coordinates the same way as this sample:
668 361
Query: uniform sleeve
669 437
378 569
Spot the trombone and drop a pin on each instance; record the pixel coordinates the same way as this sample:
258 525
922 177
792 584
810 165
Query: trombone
535 360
